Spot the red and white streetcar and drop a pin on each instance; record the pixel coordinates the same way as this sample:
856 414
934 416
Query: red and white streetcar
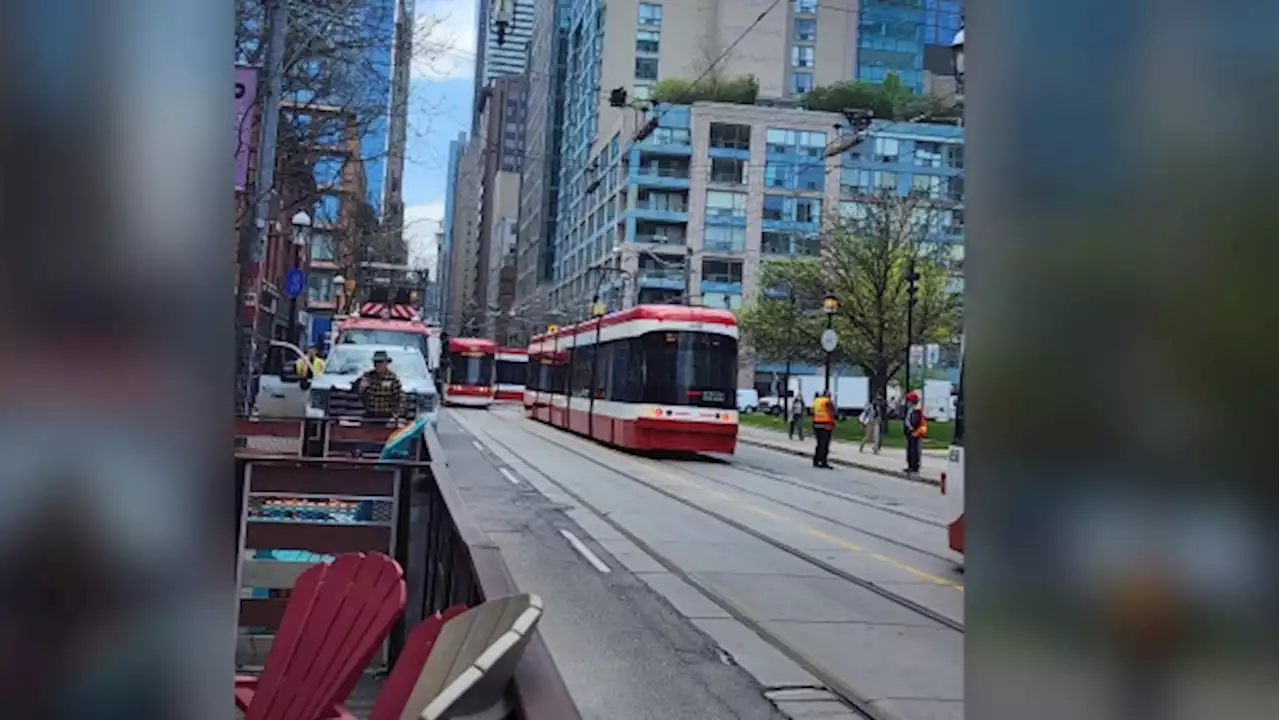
652 377
468 374
513 365
953 479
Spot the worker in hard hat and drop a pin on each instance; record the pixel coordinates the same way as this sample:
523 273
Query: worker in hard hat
916 428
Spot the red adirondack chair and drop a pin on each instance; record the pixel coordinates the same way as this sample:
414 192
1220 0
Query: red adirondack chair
399 684
336 617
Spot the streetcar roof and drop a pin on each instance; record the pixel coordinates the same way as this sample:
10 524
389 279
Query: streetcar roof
655 313
475 344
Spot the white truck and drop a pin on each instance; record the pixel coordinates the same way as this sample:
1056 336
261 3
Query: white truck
848 394
937 400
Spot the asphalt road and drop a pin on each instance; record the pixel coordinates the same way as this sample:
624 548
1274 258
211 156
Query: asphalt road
738 586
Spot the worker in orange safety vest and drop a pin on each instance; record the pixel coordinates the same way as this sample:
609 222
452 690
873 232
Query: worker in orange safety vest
916 429
824 423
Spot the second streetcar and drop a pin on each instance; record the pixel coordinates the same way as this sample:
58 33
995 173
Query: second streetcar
468 372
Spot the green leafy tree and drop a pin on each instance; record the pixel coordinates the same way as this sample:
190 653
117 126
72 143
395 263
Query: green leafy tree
741 90
865 261
889 100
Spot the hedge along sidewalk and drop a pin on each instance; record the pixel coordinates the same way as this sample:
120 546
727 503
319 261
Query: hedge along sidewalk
890 461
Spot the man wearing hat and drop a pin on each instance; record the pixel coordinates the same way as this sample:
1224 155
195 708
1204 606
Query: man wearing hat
380 389
915 428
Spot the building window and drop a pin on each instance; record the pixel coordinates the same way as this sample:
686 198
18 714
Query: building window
928 154
728 170
640 92
804 6
724 238
955 156
805 29
726 204
722 271
927 185
647 41
646 68
955 189
801 83
797 142
802 57
777 174
733 137
886 150
811 177
650 14
886 180
790 209
670 136
320 287
773 242
328 171
321 246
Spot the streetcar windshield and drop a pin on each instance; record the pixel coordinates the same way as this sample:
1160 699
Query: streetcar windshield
511 372
690 368
470 368
959 434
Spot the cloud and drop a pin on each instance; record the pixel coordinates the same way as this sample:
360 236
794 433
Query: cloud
421 222
444 40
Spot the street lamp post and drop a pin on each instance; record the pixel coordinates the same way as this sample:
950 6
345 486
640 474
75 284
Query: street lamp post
829 306
791 331
301 243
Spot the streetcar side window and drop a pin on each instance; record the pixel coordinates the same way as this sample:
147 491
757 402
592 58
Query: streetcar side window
958 439
581 378
603 361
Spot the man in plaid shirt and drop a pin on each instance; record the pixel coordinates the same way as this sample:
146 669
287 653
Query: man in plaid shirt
380 389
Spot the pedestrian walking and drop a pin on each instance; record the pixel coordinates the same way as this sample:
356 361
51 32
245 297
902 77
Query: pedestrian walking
824 423
916 428
870 419
795 413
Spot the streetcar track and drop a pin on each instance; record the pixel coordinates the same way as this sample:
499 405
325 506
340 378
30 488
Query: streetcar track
812 513
761 472
863 583
833 683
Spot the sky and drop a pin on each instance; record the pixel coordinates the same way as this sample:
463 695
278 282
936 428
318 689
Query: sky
440 96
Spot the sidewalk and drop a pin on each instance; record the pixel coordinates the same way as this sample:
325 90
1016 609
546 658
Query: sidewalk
890 461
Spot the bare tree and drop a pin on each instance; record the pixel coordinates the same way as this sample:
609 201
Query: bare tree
337 81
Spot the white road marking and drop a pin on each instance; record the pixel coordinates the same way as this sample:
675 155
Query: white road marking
478 445
508 475
585 551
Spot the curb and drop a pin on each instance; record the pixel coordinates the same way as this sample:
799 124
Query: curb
837 461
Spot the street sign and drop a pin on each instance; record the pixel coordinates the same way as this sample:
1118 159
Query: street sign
829 340
295 281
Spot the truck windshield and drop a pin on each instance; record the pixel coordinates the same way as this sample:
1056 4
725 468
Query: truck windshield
357 360
402 338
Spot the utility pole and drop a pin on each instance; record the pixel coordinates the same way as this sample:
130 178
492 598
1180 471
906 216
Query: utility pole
688 275
253 236
912 277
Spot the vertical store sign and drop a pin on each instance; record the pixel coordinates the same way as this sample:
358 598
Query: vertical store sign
246 91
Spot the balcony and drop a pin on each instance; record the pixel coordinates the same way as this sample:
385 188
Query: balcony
665 173
671 207
660 234
666 278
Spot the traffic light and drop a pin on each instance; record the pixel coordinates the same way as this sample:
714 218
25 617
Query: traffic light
618 97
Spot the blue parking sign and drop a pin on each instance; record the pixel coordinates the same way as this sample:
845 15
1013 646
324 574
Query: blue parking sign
295 281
